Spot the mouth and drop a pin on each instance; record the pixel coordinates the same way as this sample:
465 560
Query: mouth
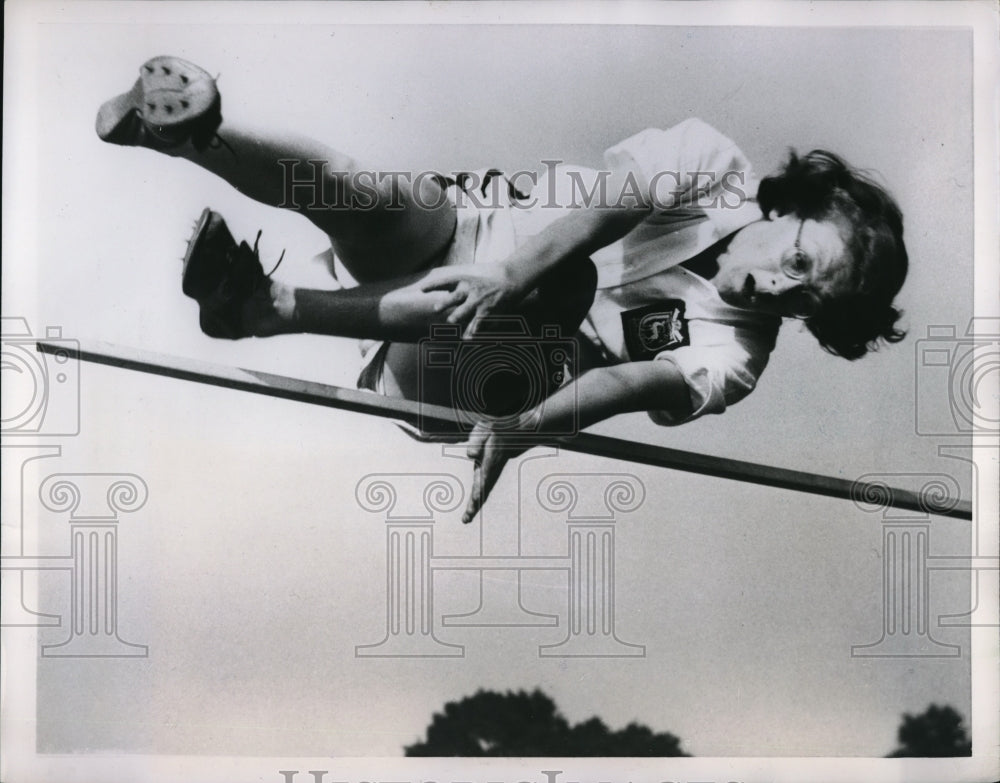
749 290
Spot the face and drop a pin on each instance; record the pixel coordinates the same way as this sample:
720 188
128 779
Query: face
784 266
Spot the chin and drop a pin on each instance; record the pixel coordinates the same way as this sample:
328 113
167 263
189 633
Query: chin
737 299
733 298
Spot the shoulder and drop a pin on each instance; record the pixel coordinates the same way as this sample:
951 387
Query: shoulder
687 154
688 135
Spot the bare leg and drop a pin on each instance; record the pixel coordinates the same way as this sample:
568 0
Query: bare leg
398 311
395 310
381 226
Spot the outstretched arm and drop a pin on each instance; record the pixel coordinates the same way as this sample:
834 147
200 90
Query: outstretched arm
596 395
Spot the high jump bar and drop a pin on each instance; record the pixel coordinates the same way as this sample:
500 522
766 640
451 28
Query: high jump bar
366 402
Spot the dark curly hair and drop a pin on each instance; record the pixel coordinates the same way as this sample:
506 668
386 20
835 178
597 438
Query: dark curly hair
821 186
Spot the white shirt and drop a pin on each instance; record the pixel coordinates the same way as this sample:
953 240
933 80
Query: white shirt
702 189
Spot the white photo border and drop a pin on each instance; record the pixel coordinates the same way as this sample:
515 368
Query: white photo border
22 763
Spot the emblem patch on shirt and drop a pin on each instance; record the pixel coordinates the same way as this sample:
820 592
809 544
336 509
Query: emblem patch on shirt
660 326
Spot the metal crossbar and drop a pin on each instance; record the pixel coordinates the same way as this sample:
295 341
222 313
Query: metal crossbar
412 412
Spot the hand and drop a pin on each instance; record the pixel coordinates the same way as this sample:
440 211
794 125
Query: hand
476 291
489 451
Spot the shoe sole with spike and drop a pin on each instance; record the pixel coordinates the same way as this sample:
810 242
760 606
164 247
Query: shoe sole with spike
171 101
207 259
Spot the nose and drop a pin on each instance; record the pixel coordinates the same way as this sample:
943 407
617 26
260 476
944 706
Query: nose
773 283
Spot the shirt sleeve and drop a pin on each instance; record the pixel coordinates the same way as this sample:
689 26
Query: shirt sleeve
718 375
690 165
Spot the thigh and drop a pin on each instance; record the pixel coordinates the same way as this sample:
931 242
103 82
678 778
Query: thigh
401 371
480 381
406 228
485 371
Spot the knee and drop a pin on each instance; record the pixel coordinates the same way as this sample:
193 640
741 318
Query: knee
569 288
564 296
428 193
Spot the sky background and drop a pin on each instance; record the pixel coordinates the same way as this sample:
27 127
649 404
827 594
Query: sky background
252 572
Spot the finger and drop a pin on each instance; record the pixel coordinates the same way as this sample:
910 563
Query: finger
474 323
477 440
485 476
490 469
463 312
475 501
453 299
438 279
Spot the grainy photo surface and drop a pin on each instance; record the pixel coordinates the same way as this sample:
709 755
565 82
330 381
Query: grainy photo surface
624 406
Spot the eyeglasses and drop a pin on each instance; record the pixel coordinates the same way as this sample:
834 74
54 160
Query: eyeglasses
797 265
801 301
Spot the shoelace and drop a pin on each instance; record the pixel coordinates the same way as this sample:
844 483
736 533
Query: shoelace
217 141
256 255
246 283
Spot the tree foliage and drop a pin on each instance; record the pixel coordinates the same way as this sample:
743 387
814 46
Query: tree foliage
936 732
528 724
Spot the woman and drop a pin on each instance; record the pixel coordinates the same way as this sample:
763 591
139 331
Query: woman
696 264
